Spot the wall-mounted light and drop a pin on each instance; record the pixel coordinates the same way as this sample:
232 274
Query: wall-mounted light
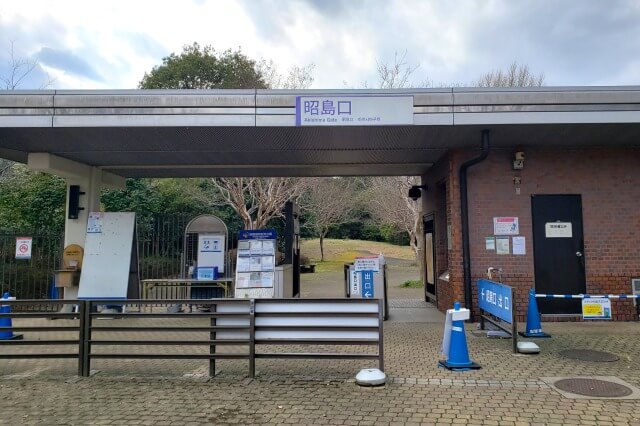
415 191
518 161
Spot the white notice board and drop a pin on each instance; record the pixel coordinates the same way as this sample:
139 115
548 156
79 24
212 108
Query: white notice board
211 251
107 257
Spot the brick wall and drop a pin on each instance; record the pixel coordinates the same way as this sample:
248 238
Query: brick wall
608 181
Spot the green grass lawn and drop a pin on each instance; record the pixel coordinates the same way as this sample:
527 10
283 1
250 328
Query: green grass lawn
339 252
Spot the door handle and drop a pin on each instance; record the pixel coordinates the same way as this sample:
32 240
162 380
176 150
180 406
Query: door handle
579 253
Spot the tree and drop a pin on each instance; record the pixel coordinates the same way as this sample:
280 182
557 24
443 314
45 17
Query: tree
255 200
390 205
32 201
296 78
258 200
204 68
515 76
329 201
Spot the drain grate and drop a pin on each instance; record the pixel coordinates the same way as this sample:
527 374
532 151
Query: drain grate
589 355
593 387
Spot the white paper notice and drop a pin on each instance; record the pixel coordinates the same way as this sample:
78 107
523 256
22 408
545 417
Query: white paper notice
505 226
256 247
94 223
269 247
490 243
267 279
502 245
519 245
243 264
255 263
243 280
267 263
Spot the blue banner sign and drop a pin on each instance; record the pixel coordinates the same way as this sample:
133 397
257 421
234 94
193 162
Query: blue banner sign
496 299
367 284
259 234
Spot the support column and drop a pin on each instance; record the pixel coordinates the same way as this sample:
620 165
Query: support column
75 229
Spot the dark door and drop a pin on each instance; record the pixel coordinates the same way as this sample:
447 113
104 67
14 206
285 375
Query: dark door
558 251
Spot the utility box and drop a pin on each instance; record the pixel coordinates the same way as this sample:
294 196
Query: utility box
69 275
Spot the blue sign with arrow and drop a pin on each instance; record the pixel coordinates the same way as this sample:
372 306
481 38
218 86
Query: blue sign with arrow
496 299
367 284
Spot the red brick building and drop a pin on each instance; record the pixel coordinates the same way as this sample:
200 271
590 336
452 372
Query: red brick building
595 189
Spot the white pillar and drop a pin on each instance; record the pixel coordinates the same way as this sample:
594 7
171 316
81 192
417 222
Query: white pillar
75 229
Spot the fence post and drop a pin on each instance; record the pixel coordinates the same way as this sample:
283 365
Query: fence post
83 339
252 338
212 336
380 336
85 325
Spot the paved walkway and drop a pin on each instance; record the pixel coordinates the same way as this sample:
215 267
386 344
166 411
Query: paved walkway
507 390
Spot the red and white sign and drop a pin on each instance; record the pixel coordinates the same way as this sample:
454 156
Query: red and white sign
23 247
505 226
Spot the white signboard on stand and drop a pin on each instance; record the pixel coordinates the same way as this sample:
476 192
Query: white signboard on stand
211 251
107 260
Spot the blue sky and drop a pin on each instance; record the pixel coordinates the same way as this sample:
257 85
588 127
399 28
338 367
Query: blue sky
110 44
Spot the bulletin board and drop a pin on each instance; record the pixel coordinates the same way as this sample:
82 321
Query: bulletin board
110 261
255 264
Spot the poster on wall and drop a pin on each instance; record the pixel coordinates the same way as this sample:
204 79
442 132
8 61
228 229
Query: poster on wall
256 259
502 245
519 246
594 308
505 226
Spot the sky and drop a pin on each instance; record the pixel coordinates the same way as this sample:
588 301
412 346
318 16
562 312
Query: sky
90 44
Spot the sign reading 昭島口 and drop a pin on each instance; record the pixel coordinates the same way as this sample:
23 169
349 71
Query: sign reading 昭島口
354 110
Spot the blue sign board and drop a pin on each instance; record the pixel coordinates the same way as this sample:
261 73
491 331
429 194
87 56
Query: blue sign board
259 234
496 299
367 284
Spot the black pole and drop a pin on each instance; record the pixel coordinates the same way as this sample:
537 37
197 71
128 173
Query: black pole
464 212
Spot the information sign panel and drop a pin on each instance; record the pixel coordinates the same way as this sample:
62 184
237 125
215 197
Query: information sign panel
596 308
496 299
367 285
354 110
256 259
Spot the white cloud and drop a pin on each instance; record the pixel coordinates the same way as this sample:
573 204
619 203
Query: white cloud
573 43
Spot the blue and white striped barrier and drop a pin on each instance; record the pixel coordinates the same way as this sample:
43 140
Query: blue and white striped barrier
588 296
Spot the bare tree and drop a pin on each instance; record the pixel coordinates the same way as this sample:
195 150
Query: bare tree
297 77
390 205
515 76
19 69
395 75
258 200
330 200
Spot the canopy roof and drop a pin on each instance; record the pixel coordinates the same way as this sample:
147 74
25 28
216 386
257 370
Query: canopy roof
189 133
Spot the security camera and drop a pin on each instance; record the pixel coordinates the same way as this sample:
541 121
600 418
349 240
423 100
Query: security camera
415 193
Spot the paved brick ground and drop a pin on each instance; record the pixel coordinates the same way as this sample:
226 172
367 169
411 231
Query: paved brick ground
507 390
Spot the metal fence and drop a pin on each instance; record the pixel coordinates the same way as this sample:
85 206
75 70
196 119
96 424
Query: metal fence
29 278
244 323
160 240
